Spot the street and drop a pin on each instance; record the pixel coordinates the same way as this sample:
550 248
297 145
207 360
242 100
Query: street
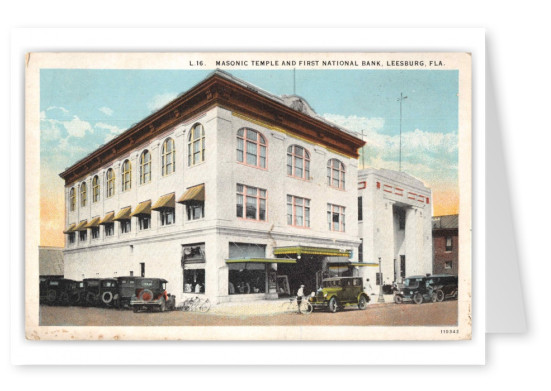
427 314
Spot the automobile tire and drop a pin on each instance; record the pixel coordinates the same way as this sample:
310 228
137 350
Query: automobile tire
418 298
362 303
64 298
107 297
398 299
74 298
439 295
333 305
91 299
146 295
51 296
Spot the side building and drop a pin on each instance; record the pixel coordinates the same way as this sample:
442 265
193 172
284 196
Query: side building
228 192
394 215
446 244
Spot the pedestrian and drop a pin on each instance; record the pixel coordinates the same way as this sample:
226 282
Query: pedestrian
300 294
368 287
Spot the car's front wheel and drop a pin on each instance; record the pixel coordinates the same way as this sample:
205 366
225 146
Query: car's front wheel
333 305
362 304
398 299
418 298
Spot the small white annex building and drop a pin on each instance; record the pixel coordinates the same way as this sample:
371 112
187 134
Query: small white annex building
394 218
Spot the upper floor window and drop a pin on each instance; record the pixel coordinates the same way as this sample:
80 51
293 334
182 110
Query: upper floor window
251 203
72 199
298 162
449 243
95 189
251 148
336 217
110 182
126 175
145 167
335 174
83 195
168 157
298 211
196 145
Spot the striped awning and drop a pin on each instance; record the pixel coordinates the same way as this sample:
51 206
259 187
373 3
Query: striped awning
261 260
70 229
81 226
109 218
143 208
300 250
166 201
124 214
195 193
94 222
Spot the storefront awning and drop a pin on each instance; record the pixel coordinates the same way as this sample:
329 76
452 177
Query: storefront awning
143 208
301 250
109 218
93 223
70 229
81 226
124 214
166 201
195 193
360 264
261 260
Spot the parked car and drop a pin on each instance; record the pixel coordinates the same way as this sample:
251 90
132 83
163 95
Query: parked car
109 292
444 286
150 293
427 288
127 288
337 292
91 291
58 290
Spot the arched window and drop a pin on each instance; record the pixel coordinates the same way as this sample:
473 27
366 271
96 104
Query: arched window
110 183
251 148
168 157
126 175
335 174
95 189
72 199
83 194
298 162
145 167
196 145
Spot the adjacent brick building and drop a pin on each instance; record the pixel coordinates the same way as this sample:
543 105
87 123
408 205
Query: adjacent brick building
445 244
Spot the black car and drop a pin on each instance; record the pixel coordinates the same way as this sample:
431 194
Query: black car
57 291
427 288
444 286
127 288
109 292
150 293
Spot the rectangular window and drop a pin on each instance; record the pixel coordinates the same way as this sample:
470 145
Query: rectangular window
109 229
125 226
360 209
251 203
72 238
336 217
298 211
95 232
195 210
167 216
401 219
194 280
82 236
144 222
448 265
449 243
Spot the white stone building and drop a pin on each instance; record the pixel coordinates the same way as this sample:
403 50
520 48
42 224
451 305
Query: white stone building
227 191
394 216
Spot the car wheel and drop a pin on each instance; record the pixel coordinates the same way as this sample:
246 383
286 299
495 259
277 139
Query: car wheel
418 298
362 304
107 298
91 299
398 299
333 305
75 298
51 296
64 298
439 295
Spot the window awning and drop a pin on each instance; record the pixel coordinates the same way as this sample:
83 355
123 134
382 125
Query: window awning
70 229
195 193
299 250
261 260
143 208
166 201
109 218
93 223
124 214
360 264
81 226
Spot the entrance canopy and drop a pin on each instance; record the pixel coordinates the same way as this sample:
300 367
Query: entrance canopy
261 260
302 250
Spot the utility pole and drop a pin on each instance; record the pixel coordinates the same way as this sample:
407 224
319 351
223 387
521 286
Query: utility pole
401 98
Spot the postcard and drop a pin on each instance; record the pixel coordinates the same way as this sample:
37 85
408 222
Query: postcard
248 196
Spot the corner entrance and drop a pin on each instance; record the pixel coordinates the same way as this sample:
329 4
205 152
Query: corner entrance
302 272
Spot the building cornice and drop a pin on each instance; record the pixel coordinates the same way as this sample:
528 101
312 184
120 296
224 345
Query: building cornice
222 91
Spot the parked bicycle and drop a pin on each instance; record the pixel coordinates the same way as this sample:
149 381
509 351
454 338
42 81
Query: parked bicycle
196 304
291 305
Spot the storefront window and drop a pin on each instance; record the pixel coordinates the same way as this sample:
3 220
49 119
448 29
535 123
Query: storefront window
194 280
246 277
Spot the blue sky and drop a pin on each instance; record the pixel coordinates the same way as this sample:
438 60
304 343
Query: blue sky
83 109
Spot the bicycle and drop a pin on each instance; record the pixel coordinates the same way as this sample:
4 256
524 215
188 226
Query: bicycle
196 304
291 305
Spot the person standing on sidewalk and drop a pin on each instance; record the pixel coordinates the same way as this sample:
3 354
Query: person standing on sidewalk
300 294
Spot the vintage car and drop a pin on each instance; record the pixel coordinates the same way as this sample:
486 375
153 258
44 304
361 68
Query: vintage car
101 292
444 287
127 288
338 292
150 293
57 290
427 288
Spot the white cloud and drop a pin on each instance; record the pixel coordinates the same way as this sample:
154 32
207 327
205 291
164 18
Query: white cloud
63 109
160 100
112 130
106 111
77 128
